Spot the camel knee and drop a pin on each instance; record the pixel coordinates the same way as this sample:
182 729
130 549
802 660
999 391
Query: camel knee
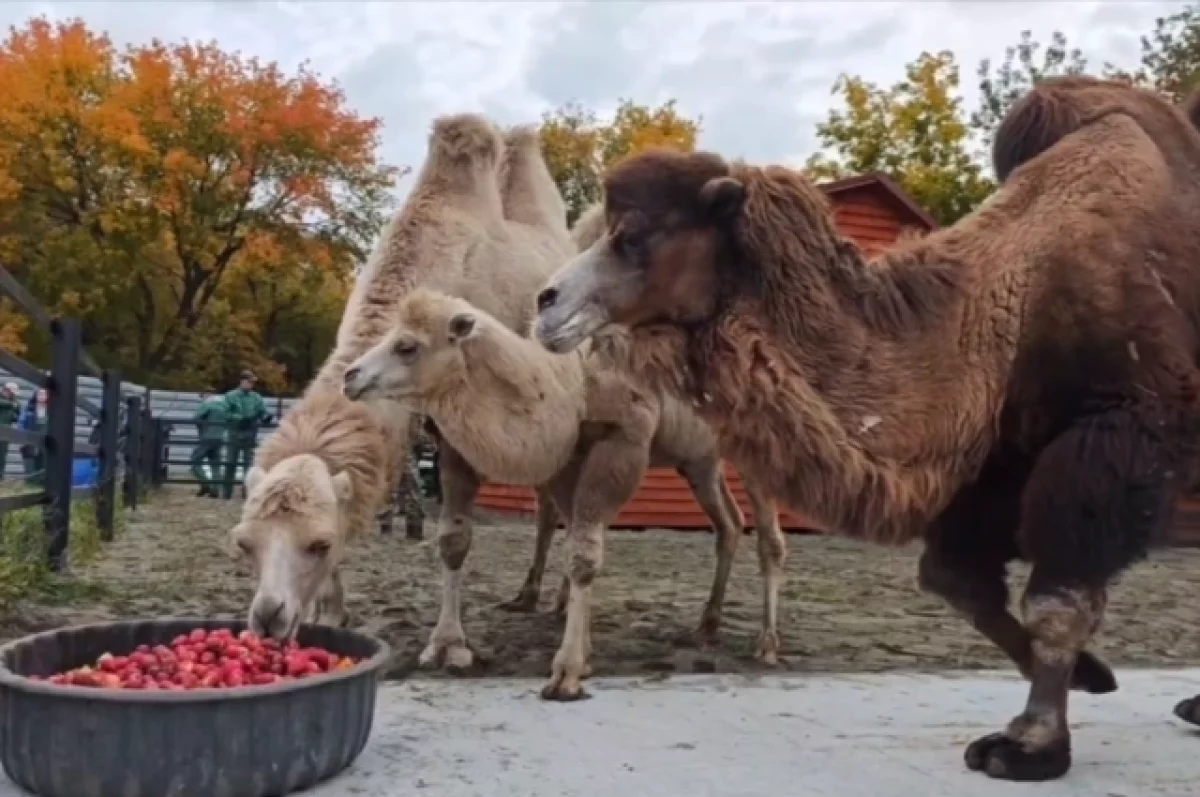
454 542
586 559
772 547
1062 620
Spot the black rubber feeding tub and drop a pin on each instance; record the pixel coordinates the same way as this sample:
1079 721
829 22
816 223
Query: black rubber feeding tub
256 741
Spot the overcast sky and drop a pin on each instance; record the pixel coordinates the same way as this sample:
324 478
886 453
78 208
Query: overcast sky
758 73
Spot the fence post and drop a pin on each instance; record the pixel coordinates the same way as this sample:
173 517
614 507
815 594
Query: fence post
162 451
60 435
146 460
110 421
133 450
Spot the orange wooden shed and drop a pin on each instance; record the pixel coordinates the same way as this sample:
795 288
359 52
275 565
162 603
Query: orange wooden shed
872 210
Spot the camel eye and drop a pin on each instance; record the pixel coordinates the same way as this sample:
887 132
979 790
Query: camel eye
405 349
632 236
317 548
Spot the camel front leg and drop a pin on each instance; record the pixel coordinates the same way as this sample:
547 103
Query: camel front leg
560 598
460 484
609 475
712 493
547 522
772 554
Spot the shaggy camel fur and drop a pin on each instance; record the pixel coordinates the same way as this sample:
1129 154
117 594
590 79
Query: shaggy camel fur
515 412
1021 385
458 231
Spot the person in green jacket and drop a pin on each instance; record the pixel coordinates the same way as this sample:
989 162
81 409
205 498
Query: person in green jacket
210 433
10 410
245 412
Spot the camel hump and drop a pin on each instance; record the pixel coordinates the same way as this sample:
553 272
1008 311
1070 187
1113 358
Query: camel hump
1191 107
589 227
466 137
522 137
1045 115
1057 107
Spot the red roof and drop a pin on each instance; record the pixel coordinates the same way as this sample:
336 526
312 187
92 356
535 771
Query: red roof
889 187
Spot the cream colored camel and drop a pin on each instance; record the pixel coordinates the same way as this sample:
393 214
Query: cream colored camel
484 221
513 411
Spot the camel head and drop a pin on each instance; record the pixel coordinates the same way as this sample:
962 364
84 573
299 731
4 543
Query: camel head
292 530
420 354
670 222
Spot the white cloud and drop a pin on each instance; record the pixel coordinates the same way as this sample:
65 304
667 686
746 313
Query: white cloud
758 73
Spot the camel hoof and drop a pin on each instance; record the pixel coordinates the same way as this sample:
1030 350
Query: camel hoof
454 657
1002 758
459 659
525 603
767 658
705 636
1189 710
560 691
768 651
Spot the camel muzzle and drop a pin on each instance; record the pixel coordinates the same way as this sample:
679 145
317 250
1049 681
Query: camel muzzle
355 385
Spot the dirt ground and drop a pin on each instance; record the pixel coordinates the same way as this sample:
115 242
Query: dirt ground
844 607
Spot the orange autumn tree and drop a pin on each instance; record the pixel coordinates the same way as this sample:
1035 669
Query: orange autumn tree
198 210
579 146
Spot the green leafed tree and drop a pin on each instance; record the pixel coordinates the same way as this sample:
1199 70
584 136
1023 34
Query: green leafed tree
1170 62
915 131
1023 66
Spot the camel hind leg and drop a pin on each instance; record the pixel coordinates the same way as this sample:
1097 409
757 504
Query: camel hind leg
1096 499
772 555
711 491
547 522
460 484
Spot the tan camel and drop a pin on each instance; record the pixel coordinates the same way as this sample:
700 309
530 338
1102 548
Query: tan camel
452 234
515 412
1021 385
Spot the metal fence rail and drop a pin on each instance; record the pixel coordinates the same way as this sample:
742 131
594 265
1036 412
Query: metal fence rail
53 486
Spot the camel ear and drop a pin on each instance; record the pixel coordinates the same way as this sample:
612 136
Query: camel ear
461 326
722 198
343 487
253 477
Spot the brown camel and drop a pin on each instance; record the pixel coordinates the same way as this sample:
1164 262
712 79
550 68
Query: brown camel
515 412
1021 385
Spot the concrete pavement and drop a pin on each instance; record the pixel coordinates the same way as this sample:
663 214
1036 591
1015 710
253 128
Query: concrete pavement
895 735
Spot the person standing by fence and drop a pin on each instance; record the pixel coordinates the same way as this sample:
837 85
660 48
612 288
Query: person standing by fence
33 419
245 412
210 437
10 410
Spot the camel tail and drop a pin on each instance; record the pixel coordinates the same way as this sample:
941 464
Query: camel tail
465 139
1033 124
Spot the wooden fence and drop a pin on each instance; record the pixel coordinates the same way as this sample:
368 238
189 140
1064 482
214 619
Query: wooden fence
55 447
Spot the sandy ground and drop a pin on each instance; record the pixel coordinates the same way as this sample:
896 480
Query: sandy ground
845 607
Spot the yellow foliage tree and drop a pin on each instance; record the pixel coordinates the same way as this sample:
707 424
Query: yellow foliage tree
146 189
579 146
915 131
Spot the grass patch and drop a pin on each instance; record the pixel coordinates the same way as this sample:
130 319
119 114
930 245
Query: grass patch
24 572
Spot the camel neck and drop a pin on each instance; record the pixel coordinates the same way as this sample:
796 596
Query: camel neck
811 384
